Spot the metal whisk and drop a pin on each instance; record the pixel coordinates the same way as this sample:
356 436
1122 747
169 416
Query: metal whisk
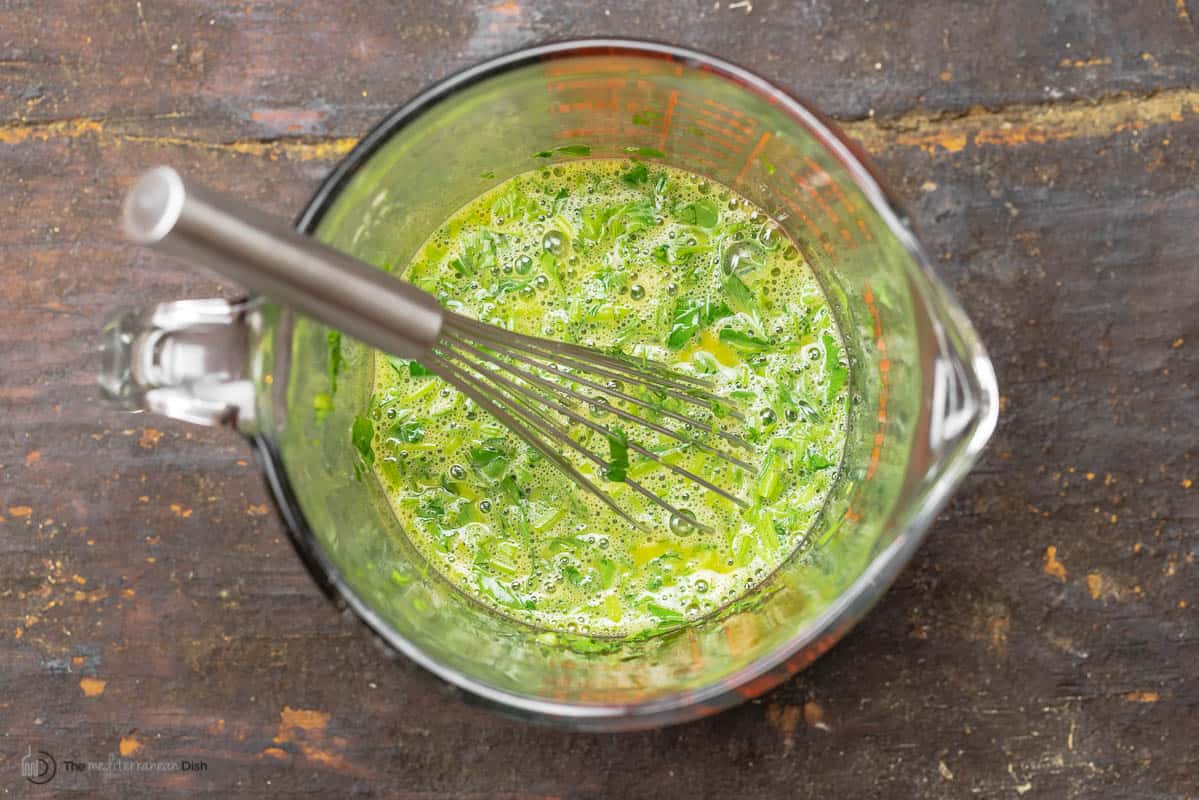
533 386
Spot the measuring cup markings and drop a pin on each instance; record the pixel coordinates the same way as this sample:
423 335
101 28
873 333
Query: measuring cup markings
575 133
824 179
583 105
865 229
715 122
884 390
713 156
587 84
792 204
815 195
753 154
732 126
613 62
668 116
728 110
884 380
716 136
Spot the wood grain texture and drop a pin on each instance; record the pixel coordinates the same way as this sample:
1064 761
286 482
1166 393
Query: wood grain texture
1043 643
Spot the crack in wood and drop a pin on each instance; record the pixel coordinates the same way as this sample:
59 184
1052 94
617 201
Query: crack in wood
1026 123
948 131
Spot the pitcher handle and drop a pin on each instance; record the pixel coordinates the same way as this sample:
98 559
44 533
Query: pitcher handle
185 359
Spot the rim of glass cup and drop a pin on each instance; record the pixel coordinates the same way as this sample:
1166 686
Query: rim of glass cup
804 645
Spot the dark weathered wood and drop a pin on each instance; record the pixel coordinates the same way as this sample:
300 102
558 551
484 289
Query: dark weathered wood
1044 642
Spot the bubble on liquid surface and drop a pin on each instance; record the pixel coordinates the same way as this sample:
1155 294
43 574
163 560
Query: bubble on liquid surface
770 237
682 523
554 241
742 257
637 291
524 264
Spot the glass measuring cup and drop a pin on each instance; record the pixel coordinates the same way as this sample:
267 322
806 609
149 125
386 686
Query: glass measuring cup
924 393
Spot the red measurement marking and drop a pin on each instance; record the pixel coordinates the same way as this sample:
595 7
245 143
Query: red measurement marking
697 652
646 64
701 161
807 221
824 206
719 135
587 84
723 136
674 98
729 109
753 154
577 133
884 371
583 105
826 180
865 230
746 129
728 127
719 155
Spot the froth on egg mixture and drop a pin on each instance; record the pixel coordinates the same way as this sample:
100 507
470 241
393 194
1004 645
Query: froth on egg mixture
644 260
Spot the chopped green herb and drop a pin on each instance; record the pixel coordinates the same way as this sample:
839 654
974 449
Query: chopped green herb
362 433
660 188
403 366
491 458
549 265
690 316
322 404
743 341
618 458
514 205
664 614
491 586
646 117
637 176
770 477
336 360
606 223
559 199
478 254
701 212
837 373
645 152
565 150
411 431
815 462
741 298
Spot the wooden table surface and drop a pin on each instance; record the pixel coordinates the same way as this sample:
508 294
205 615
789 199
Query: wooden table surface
1044 643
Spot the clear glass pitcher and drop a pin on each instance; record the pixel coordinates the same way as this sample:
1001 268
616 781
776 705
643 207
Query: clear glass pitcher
924 393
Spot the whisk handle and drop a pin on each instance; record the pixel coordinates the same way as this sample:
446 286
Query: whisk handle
266 255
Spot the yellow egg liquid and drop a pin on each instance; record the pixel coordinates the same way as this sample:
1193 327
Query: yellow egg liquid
643 260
